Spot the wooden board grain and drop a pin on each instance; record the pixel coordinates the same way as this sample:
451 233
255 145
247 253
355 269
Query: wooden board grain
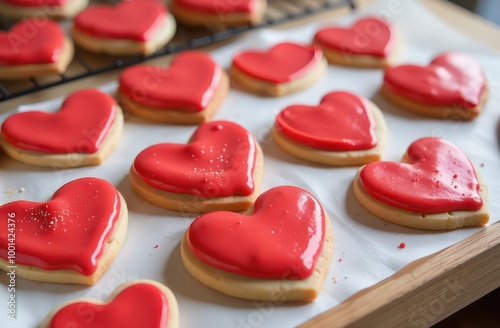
425 291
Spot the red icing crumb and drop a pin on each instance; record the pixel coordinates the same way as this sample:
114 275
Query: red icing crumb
156 246
340 260
402 245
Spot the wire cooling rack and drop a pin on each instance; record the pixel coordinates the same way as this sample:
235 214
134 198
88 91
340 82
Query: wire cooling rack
86 64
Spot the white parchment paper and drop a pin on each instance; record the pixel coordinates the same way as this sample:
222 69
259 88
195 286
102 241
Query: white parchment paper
366 248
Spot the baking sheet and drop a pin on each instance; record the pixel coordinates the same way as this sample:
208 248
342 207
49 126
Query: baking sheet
366 248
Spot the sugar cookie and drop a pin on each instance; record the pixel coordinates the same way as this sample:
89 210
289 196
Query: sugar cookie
32 49
370 42
72 238
16 9
285 68
435 187
220 168
189 91
218 14
83 132
344 129
161 311
128 28
280 250
452 87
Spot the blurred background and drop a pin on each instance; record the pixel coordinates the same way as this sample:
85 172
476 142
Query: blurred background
489 9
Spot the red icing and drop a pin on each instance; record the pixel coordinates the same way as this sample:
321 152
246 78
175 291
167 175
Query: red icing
135 20
368 36
188 84
285 62
218 161
218 7
80 126
452 79
282 239
342 122
36 3
31 42
126 310
67 232
438 178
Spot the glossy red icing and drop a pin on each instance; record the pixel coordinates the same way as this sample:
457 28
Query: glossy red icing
31 42
67 232
126 310
285 62
368 36
218 7
36 3
342 122
135 20
452 79
80 126
438 178
218 161
188 84
282 239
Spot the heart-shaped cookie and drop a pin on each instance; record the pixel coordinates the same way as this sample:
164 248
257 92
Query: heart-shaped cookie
190 90
452 81
188 83
342 122
218 7
290 66
40 9
120 310
220 168
285 240
435 187
368 36
345 129
284 62
30 42
38 3
82 132
130 20
79 126
218 14
72 238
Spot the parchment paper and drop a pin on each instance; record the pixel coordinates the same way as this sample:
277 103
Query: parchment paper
366 248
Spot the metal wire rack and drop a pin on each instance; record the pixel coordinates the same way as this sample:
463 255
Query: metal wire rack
87 64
